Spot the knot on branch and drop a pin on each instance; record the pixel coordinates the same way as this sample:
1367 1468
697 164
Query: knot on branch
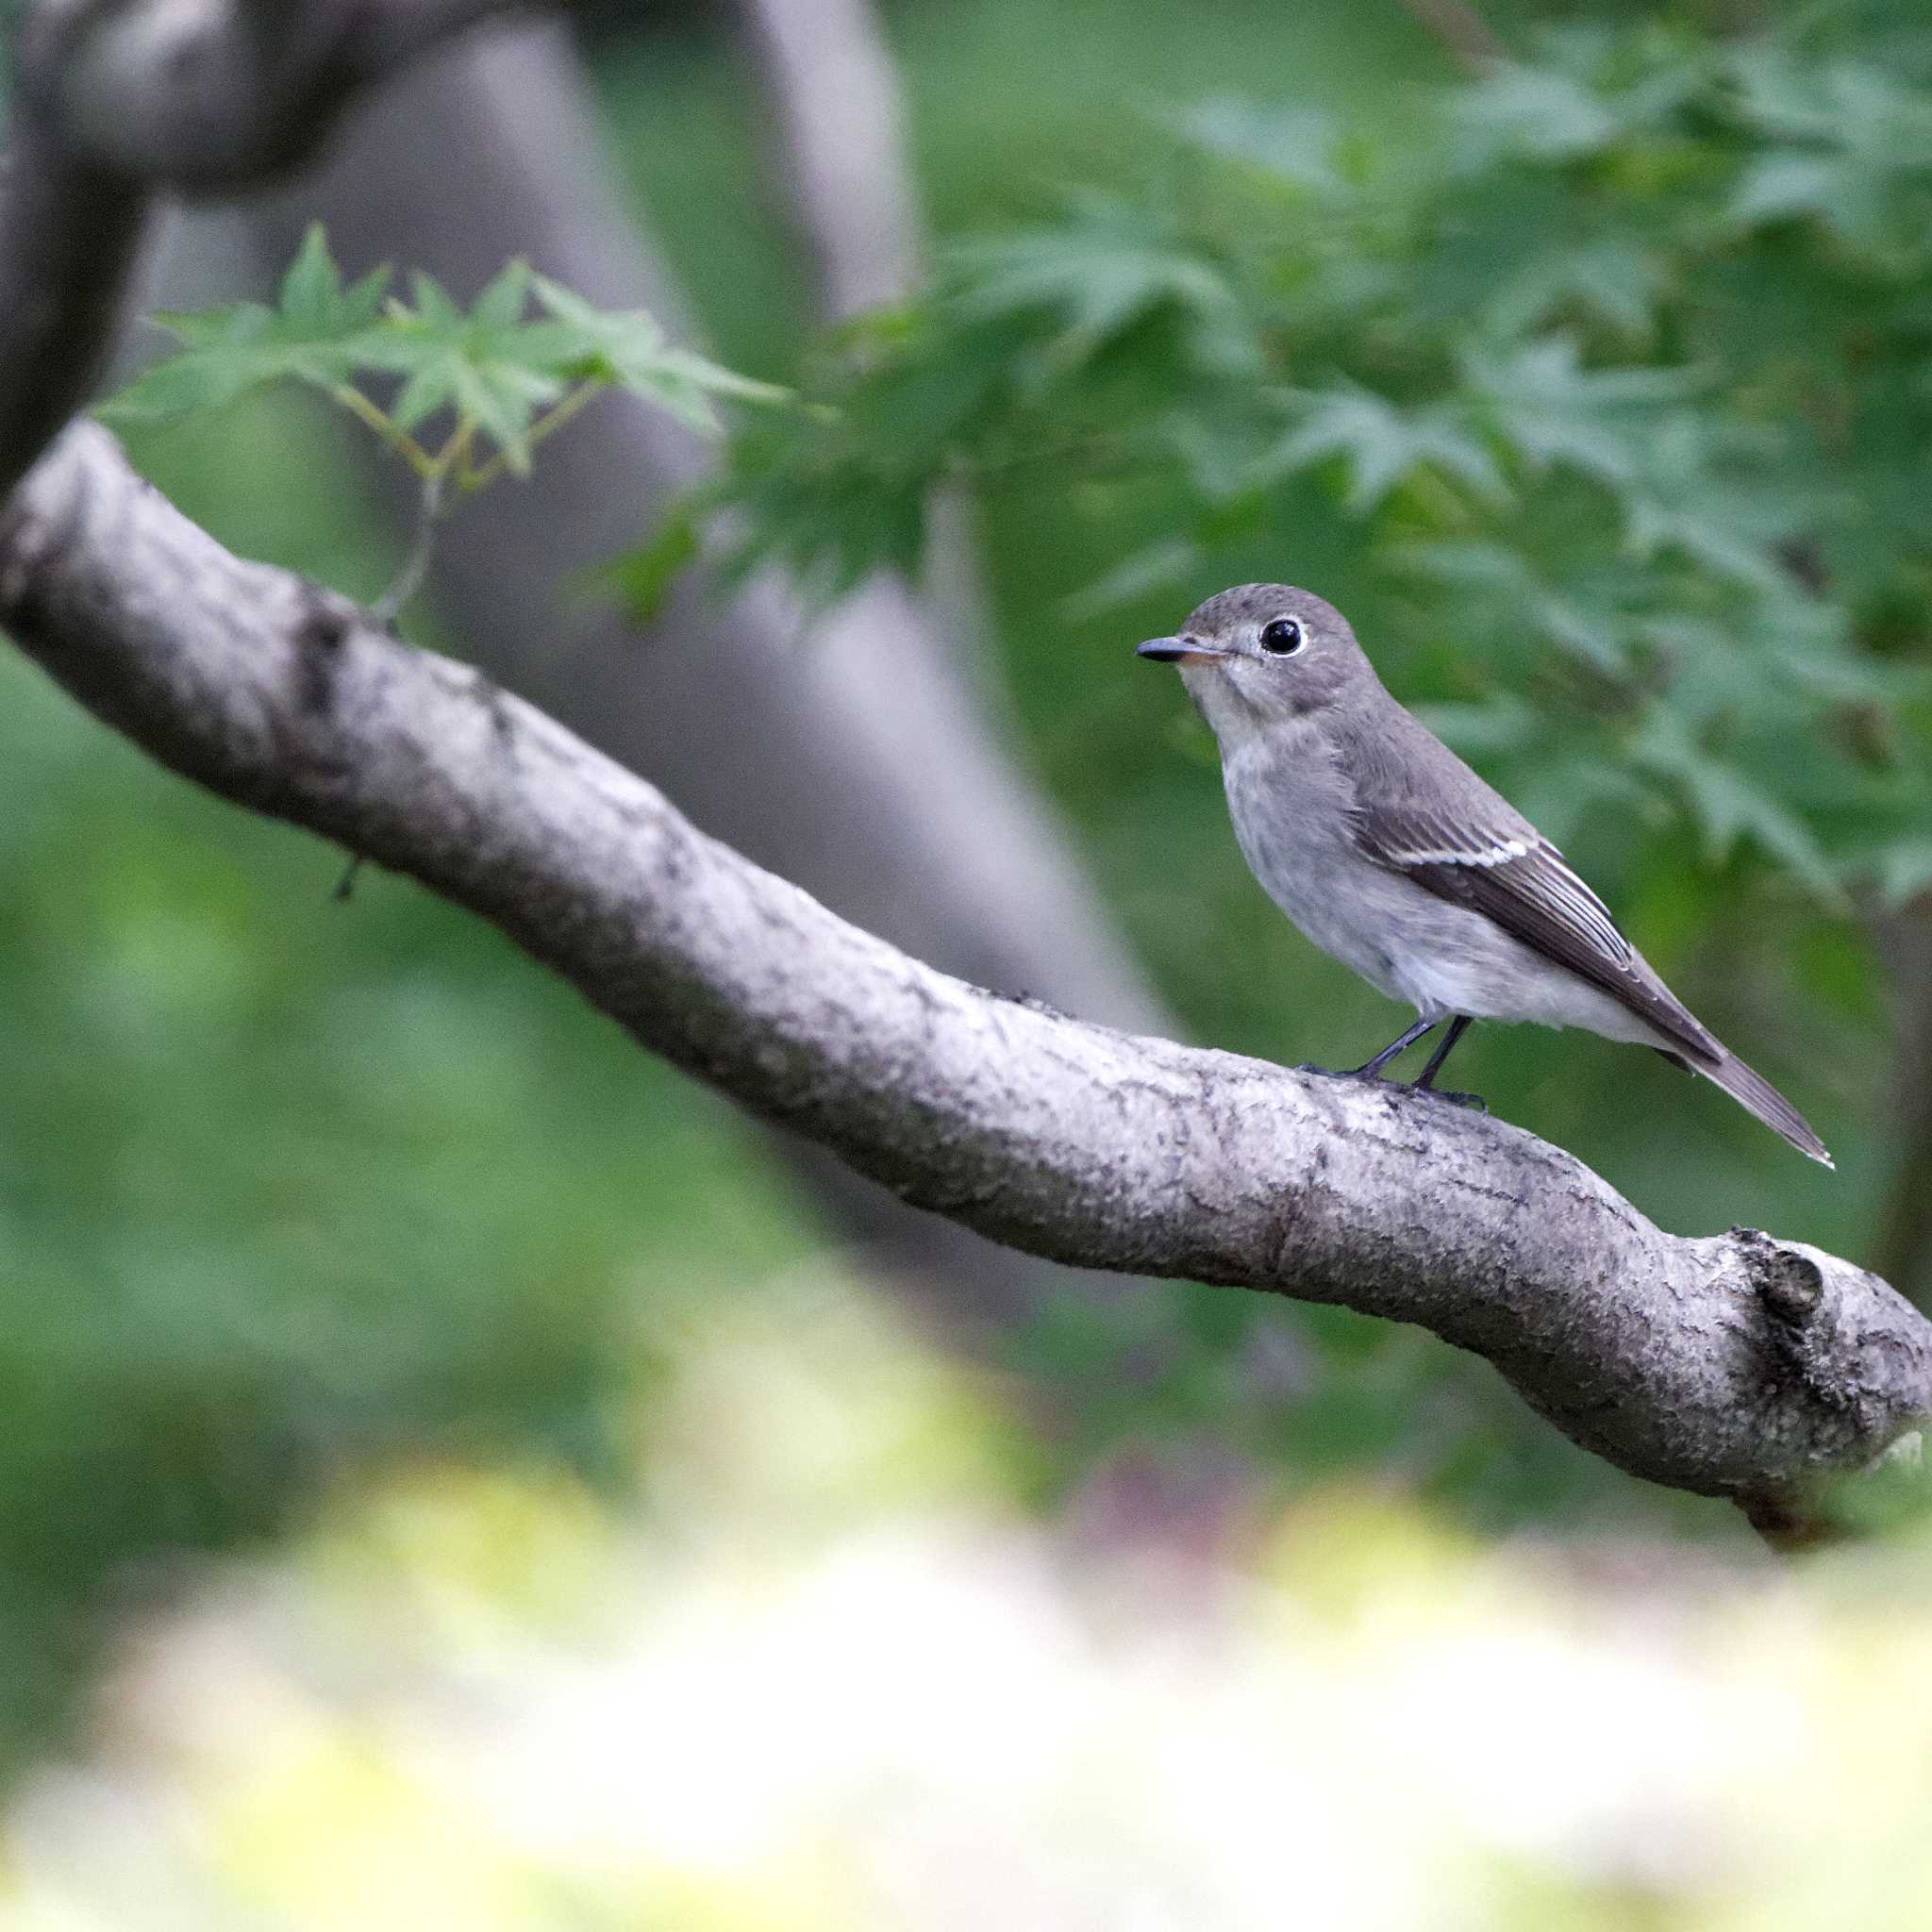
1786 1280
325 626
1805 1329
1856 1362
1817 1515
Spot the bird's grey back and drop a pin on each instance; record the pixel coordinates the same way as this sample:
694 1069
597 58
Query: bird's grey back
1395 766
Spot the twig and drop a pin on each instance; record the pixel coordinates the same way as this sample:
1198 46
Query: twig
415 564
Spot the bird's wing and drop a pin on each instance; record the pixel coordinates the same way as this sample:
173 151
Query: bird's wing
1475 850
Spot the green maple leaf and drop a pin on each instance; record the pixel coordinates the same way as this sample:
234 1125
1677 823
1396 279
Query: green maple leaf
1584 618
319 332
1614 278
1853 148
1730 806
489 365
1297 145
1556 411
627 349
1381 445
1110 267
494 366
1685 498
1538 113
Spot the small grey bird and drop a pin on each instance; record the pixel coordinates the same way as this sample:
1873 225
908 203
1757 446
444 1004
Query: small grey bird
1391 854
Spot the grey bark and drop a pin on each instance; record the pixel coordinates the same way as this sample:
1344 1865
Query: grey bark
1734 1365
851 756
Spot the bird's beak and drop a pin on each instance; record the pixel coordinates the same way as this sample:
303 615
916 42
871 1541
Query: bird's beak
1180 651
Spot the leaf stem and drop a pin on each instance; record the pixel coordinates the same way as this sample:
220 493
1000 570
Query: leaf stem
552 419
405 445
455 454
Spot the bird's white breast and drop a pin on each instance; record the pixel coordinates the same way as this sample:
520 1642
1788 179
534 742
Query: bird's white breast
1291 811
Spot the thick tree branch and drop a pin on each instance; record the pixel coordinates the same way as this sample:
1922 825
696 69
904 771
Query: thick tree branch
1734 1365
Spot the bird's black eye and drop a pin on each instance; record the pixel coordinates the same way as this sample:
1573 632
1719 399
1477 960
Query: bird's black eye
1282 637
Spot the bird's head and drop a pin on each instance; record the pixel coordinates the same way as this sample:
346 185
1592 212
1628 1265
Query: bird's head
1262 653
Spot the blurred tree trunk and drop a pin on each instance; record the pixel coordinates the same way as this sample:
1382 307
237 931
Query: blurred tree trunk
853 759
840 156
840 151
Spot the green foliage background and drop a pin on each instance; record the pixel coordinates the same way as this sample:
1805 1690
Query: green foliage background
1599 398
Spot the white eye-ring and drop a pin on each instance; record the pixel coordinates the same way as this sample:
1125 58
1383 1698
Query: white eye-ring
1282 637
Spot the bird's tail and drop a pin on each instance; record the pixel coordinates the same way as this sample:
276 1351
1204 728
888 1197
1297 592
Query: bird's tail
1755 1094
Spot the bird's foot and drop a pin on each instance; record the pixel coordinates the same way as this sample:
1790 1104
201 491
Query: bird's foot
1473 1102
1369 1076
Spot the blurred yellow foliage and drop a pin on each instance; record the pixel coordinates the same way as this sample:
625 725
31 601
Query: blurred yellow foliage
828 1674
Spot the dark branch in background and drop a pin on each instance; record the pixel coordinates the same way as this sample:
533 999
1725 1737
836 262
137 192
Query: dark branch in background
250 88
70 233
842 163
73 234
1735 1366
94 137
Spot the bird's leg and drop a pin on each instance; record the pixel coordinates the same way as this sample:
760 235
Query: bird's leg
1444 1047
1425 1081
1372 1069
